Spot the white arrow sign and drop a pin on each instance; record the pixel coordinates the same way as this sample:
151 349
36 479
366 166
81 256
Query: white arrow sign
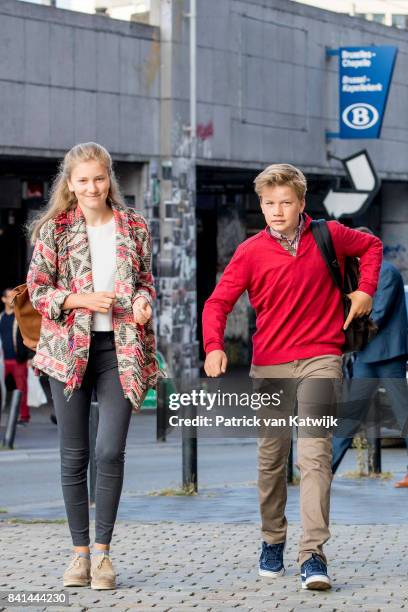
364 182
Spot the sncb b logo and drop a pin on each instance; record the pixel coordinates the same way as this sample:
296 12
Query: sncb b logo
360 116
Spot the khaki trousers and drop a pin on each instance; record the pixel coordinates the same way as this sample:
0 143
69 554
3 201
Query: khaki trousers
314 456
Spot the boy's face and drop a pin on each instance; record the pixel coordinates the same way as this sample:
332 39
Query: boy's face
281 208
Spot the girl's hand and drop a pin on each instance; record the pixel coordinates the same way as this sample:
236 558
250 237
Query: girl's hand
142 311
99 301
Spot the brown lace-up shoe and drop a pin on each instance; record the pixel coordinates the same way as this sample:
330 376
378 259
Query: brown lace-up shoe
78 572
103 575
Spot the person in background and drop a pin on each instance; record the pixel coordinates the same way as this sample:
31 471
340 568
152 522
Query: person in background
16 355
382 362
2 380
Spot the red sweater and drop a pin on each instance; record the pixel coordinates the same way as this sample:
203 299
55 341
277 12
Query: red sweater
299 311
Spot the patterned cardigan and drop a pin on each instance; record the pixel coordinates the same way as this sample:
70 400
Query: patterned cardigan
61 264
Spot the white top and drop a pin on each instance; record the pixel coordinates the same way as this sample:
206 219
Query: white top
102 244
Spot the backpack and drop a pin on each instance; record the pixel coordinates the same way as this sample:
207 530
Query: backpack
361 330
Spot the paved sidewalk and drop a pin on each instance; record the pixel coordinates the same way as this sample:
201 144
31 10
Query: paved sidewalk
178 554
195 567
227 473
362 502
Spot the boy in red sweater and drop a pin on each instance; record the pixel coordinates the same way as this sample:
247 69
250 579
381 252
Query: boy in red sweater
299 335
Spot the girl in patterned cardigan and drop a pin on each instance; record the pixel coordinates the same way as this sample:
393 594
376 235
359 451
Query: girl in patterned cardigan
90 278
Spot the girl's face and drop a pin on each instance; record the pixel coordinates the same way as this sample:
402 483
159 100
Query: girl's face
90 182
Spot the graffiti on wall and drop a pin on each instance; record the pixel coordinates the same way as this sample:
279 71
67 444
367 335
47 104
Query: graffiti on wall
204 135
181 142
177 275
205 131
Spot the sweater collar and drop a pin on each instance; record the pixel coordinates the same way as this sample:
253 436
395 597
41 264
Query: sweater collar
304 224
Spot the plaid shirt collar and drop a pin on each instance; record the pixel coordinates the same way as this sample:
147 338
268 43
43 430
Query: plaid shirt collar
284 240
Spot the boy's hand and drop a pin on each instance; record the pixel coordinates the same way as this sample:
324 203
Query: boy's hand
215 363
361 304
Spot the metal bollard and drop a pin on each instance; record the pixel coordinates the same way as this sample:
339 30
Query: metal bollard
189 451
11 426
376 463
93 430
161 411
374 449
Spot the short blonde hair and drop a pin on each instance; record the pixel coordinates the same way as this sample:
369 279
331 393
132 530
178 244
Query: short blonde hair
282 174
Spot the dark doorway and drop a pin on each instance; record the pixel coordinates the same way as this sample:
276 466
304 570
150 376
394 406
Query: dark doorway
24 184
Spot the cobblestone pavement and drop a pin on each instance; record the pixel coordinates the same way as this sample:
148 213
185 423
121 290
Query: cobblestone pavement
182 567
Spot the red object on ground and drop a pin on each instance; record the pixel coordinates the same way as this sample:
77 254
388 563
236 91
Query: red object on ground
19 371
402 484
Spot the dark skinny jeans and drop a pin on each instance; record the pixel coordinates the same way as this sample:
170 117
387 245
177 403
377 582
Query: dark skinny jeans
73 428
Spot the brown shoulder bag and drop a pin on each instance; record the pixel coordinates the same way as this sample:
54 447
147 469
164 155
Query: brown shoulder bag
28 319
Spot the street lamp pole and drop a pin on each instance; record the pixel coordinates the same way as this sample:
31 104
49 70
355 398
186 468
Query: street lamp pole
189 434
193 78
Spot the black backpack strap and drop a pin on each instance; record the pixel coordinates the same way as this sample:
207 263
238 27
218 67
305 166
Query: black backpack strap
324 242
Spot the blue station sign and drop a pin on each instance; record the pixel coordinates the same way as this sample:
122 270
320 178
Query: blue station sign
365 76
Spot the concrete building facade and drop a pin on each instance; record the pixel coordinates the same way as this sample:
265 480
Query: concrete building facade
266 92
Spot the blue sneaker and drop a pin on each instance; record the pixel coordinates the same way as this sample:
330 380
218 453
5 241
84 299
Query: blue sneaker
314 574
271 560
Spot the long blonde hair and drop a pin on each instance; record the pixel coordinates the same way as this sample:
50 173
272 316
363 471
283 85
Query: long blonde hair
61 198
